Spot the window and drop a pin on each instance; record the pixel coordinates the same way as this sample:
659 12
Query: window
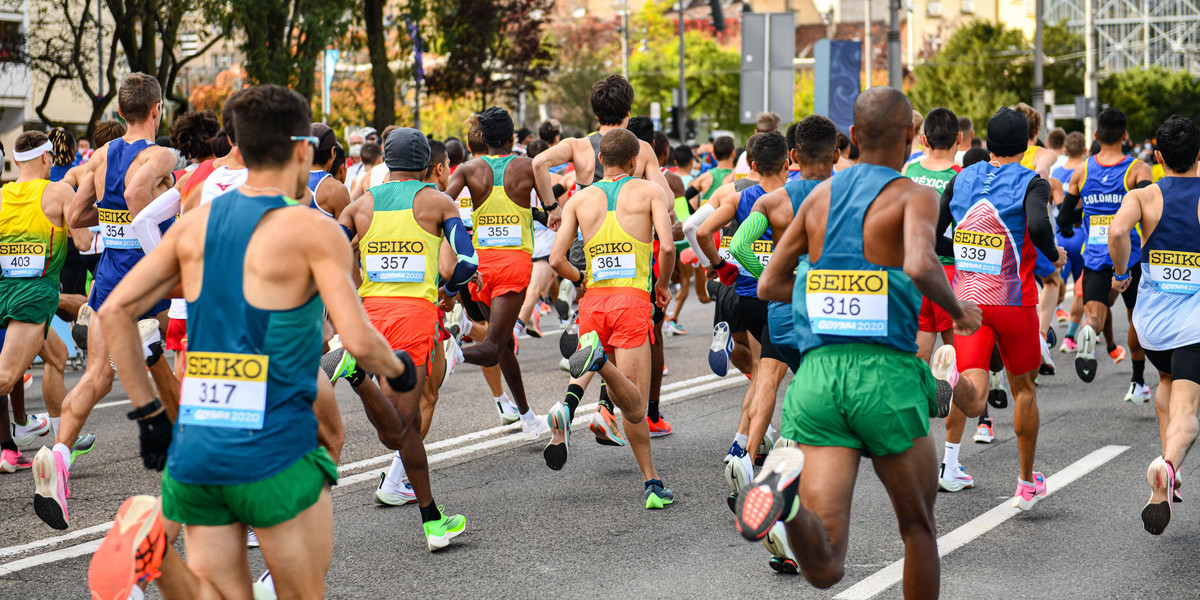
968 7
933 9
12 42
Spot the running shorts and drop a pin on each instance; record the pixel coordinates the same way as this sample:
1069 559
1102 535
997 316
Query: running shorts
409 324
502 272
782 332
28 300
1181 364
73 276
274 500
862 396
787 356
725 299
749 314
622 320
177 335
1097 286
934 318
1014 329
543 240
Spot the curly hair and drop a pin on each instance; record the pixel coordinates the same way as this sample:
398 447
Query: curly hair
193 132
63 153
107 131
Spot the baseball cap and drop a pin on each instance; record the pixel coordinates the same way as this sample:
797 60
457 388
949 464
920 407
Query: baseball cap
325 136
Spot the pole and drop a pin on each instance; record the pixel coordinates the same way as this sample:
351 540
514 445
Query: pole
324 88
99 51
1089 79
894 71
625 42
682 82
1146 34
417 104
1039 86
766 103
868 64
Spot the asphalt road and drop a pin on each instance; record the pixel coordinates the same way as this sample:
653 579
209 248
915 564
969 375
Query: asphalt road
583 531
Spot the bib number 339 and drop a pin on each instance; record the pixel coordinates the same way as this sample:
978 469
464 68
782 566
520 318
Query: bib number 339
848 303
223 389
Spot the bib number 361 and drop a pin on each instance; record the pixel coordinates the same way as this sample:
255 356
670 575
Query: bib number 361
223 389
847 303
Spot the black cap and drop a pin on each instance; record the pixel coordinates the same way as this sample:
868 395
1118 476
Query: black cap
326 139
497 126
406 149
1007 132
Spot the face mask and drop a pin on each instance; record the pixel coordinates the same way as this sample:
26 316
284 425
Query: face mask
355 150
695 172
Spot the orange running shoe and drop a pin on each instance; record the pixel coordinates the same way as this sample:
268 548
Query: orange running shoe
1061 315
132 551
660 427
1118 355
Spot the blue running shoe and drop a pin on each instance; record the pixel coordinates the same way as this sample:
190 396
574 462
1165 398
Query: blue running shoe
720 349
658 496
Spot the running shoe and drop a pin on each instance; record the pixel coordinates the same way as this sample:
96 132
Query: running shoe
604 426
534 427
564 365
251 538
782 559
563 303
1157 512
1047 366
152 347
674 328
984 434
1028 495
666 371
264 587
764 447
11 462
131 552
457 319
997 394
509 413
454 355
559 420
83 445
543 308
50 488
568 340
1178 496
80 328
660 427
1117 354
1051 336
439 532
720 349
956 480
34 427
1085 356
535 328
338 364
398 496
658 496
772 496
1062 315
1139 393
945 370
736 473
590 355
1068 345
27 381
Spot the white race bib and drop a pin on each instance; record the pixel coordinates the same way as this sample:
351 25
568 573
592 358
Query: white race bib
117 230
978 252
726 254
763 249
20 259
394 260
222 389
498 230
1175 272
614 266
464 208
1098 230
849 303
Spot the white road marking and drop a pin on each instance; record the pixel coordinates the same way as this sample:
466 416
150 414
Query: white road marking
893 573
50 557
58 539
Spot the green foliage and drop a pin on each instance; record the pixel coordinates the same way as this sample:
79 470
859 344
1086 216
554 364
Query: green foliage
1149 96
588 51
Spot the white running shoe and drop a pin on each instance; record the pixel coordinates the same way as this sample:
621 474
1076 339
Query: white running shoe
394 496
1139 393
264 588
454 355
251 539
564 365
34 427
956 480
945 370
984 434
736 473
509 413
1085 356
1047 367
776 542
534 428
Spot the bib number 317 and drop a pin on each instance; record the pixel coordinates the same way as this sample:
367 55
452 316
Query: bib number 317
223 389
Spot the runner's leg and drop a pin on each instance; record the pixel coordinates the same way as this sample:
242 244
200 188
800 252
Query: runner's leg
54 360
628 383
299 569
331 433
1025 420
912 486
497 345
217 564
820 530
21 345
685 281
770 375
430 391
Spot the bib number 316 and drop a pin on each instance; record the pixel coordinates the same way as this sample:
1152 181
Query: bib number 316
847 303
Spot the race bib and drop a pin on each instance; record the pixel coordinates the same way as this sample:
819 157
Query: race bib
21 259
849 303
763 250
1175 272
614 260
498 230
724 252
978 252
464 208
116 229
394 260
222 389
1098 230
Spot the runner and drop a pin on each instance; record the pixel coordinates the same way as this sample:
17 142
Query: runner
618 217
371 155
330 199
766 122
294 261
122 178
876 379
987 207
1102 183
683 271
1167 315
542 276
707 182
967 129
1075 147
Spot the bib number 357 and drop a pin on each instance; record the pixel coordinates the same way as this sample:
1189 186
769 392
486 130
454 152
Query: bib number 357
847 303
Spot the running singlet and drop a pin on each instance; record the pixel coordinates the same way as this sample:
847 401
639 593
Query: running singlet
747 284
315 178
30 245
199 174
221 181
617 261
779 314
597 171
1167 315
933 179
399 258
500 224
248 389
464 203
993 255
718 175
1101 192
1028 158
844 299
1063 175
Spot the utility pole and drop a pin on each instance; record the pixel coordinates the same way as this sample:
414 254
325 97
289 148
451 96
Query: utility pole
895 74
683 102
1089 78
625 40
867 47
99 50
1039 86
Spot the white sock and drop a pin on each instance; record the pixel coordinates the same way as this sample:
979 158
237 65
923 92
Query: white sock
951 457
395 476
54 425
1023 482
65 453
528 416
741 440
466 327
136 593
503 399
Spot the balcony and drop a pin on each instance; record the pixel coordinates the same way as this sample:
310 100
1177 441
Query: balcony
14 85
967 7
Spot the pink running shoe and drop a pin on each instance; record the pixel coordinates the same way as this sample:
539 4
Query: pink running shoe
1157 512
1068 345
51 491
11 462
1028 495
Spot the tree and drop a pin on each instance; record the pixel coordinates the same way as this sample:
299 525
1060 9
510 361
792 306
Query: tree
212 97
382 77
586 55
1149 96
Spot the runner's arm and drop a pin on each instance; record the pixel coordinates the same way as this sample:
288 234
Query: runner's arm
661 218
945 222
467 261
689 231
555 155
1037 219
1119 241
82 212
725 210
158 166
145 224
742 247
562 244
921 262
779 277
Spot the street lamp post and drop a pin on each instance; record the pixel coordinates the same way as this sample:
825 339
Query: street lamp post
682 112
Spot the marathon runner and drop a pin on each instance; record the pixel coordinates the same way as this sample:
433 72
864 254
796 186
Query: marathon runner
1075 148
858 393
328 195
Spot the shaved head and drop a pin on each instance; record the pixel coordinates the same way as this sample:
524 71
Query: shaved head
882 117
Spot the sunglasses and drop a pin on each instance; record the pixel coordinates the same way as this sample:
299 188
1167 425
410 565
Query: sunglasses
311 139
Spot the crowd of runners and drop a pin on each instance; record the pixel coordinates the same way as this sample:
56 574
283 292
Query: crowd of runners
232 275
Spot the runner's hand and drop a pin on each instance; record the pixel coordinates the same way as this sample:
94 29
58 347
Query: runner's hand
554 219
1120 286
970 320
445 301
676 233
1062 258
155 438
662 296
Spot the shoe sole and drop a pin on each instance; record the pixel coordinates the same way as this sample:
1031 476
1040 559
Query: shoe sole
942 362
556 454
983 440
762 505
1085 361
1023 504
45 481
786 566
1156 515
1046 370
113 568
781 559
658 434
654 502
604 435
953 486
330 362
718 352
381 500
998 399
568 343
732 501
78 450
561 305
436 543
583 359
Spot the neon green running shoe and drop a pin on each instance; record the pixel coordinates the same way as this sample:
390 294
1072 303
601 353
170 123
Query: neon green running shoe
439 533
83 445
658 496
589 356
339 364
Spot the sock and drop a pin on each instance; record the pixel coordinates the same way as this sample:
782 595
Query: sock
10 446
741 440
1023 482
528 416
54 425
430 513
652 410
136 593
1139 372
1111 348
951 457
985 420
604 399
574 393
520 327
65 453
1072 328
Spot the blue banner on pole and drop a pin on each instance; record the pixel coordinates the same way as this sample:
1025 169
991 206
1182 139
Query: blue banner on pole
836 82
418 51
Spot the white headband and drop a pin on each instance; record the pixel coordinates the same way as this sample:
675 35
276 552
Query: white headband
32 154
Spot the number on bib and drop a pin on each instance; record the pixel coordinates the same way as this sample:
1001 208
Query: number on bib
848 303
1098 230
117 230
223 389
613 266
22 259
978 252
499 235
1175 272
